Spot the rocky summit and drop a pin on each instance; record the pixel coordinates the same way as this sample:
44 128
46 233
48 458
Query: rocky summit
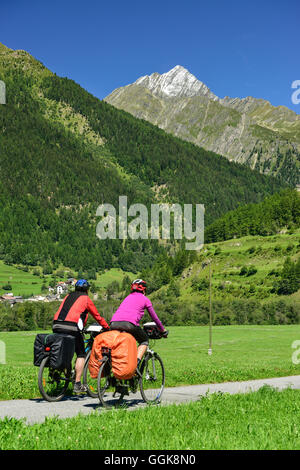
178 82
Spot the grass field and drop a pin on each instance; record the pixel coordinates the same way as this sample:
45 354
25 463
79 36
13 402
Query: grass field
239 353
22 283
27 284
266 419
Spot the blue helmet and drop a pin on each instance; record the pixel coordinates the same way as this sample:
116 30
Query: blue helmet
82 285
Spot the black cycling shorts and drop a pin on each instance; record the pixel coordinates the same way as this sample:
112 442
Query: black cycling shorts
134 330
79 341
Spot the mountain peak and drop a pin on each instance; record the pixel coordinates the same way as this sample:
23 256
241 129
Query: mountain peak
178 82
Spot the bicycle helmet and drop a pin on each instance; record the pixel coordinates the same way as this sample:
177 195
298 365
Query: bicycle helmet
82 285
139 286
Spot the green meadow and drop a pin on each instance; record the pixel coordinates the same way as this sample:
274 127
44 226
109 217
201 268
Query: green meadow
21 282
266 419
262 420
239 353
26 283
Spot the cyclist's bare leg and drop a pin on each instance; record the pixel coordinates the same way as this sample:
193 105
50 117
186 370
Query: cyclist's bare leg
141 351
79 366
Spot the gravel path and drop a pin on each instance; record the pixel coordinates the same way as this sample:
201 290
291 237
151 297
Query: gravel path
36 410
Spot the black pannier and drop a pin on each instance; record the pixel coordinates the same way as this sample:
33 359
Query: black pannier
59 347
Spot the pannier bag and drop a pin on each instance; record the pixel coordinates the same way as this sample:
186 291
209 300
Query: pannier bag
60 349
123 354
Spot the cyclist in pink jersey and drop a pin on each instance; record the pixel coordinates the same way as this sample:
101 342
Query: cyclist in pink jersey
127 317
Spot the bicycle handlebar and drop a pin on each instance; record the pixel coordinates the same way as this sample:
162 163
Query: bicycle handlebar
153 332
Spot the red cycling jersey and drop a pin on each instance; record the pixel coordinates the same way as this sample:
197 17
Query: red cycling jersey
76 306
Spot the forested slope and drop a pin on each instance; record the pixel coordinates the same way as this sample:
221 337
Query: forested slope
63 152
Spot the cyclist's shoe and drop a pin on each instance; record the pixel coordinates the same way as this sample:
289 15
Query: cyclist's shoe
133 384
79 388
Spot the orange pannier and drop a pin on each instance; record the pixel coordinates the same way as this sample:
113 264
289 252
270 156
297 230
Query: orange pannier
123 354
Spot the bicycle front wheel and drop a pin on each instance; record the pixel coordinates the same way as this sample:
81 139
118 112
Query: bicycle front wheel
152 382
53 383
90 383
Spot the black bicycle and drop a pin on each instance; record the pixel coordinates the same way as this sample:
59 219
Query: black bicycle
150 378
54 383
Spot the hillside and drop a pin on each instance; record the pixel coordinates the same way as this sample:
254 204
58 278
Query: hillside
248 130
268 217
254 254
63 152
246 275
255 274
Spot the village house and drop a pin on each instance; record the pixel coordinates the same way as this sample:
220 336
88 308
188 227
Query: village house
62 288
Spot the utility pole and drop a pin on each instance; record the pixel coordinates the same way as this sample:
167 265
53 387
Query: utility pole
210 314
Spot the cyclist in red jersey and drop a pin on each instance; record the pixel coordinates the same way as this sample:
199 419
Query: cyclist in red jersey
70 319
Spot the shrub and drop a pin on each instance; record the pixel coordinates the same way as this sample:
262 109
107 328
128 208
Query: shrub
200 284
243 271
7 286
252 270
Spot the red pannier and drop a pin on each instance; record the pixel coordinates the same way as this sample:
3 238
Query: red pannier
123 354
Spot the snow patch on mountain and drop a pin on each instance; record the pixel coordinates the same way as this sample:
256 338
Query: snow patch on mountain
178 82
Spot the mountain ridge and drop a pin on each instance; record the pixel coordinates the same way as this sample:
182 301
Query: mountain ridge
246 130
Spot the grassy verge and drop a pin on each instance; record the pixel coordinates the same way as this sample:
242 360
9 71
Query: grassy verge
266 419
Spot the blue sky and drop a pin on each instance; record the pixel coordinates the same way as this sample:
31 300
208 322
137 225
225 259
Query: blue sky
237 48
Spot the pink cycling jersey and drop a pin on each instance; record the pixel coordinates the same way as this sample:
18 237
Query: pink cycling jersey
132 310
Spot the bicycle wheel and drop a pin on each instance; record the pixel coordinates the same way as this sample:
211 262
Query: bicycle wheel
106 385
53 383
90 383
152 381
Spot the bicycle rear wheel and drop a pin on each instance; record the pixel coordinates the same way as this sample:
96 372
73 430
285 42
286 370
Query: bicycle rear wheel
53 383
152 382
90 383
106 385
